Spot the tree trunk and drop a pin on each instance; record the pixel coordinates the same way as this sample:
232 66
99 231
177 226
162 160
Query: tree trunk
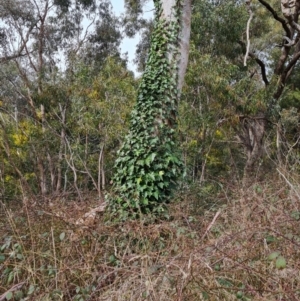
184 35
148 165
251 137
62 110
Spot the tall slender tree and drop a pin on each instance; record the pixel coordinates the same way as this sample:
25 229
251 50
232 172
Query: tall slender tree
41 45
148 165
254 128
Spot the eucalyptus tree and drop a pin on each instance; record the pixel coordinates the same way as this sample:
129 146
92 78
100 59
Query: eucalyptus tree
256 68
42 36
148 166
134 22
208 104
40 43
276 64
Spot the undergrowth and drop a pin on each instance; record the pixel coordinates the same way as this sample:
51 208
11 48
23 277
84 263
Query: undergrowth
245 246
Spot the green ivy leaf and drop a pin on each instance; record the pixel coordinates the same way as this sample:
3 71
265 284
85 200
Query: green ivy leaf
161 173
31 289
270 239
62 236
280 262
9 296
273 255
145 202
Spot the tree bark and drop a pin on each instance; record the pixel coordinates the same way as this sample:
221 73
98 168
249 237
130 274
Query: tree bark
253 130
184 37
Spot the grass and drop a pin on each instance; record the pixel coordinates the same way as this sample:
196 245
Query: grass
245 246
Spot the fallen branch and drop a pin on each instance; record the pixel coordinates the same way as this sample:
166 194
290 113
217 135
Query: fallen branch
211 224
88 218
289 183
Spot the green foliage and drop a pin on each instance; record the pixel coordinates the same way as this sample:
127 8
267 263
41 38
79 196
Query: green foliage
66 110
217 26
148 164
291 99
105 40
133 20
206 114
273 255
92 114
221 92
100 114
280 262
216 90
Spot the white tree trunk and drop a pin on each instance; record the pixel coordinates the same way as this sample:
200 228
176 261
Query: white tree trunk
168 7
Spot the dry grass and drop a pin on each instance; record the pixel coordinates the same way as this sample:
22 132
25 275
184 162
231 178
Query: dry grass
221 254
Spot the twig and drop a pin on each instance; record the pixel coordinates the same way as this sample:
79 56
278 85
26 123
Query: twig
55 258
211 224
262 68
290 184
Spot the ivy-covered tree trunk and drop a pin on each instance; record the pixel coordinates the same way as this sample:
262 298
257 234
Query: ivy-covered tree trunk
148 163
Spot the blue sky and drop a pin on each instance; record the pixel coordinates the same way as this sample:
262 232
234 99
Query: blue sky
128 45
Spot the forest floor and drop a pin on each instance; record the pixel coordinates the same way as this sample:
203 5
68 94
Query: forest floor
233 245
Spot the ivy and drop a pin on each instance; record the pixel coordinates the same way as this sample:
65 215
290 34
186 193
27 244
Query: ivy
148 163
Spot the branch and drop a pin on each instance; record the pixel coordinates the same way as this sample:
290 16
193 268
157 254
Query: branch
211 224
290 42
259 62
11 57
23 46
262 67
281 61
292 62
81 42
296 26
247 31
276 17
285 74
290 184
